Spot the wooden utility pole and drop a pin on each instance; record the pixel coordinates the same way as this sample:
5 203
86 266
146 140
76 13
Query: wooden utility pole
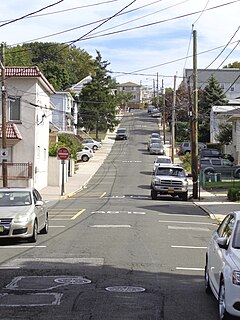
164 113
173 118
194 142
4 120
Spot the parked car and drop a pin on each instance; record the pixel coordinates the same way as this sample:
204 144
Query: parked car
210 166
156 148
210 152
84 154
121 134
91 143
150 109
222 268
23 213
156 114
155 135
162 161
185 147
169 180
153 140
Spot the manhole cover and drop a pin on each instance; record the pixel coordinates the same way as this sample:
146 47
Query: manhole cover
77 280
125 289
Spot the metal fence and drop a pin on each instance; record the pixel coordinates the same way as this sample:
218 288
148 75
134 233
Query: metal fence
18 170
219 179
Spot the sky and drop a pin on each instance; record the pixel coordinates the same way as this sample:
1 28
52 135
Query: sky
144 41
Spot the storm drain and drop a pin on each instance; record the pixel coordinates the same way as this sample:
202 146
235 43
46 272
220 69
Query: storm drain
77 280
129 289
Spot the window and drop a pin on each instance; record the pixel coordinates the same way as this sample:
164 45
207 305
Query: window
232 88
216 162
222 85
14 108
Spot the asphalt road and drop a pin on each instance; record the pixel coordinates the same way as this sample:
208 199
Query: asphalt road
112 252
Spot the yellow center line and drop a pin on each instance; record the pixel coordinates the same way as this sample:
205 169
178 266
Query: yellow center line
78 214
102 195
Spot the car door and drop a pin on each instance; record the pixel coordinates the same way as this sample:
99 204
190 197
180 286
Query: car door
40 211
217 255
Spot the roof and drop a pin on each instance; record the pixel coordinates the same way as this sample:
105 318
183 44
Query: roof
12 131
225 75
28 72
128 84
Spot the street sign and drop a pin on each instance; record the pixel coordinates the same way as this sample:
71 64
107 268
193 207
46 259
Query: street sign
4 154
63 153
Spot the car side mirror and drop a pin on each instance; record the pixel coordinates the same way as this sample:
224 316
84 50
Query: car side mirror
222 242
39 203
189 175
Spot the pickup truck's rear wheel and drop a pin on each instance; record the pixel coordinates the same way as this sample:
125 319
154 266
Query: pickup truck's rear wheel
85 158
153 194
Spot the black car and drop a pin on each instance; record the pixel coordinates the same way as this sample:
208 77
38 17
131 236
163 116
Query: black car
211 153
121 134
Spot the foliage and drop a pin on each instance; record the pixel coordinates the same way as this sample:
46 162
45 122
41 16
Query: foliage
62 65
182 131
212 95
186 160
225 133
235 64
69 141
98 102
233 194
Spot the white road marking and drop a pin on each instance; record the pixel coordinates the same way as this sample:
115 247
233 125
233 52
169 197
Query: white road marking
188 228
190 269
185 222
57 226
188 247
21 247
132 161
182 215
111 226
120 212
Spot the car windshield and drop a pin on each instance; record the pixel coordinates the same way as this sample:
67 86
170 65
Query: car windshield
18 198
156 145
163 160
236 238
178 172
121 131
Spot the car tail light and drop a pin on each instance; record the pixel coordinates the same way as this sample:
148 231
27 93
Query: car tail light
236 277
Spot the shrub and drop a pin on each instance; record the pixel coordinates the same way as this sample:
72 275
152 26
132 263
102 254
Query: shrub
233 194
186 160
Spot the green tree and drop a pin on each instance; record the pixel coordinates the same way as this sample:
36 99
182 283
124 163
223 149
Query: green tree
98 103
225 133
235 64
212 95
62 65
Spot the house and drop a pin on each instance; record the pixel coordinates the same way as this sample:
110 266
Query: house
77 88
64 114
27 130
136 93
228 78
219 115
235 120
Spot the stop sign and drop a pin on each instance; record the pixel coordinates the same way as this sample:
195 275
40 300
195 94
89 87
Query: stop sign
63 153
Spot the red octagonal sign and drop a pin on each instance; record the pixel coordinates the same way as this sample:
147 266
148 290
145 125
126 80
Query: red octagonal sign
63 153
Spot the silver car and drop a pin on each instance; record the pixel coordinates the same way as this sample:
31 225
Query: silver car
156 148
23 213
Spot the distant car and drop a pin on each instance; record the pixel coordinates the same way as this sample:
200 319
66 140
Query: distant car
156 148
150 109
153 140
161 161
156 114
23 213
185 147
84 154
222 268
121 134
91 143
155 135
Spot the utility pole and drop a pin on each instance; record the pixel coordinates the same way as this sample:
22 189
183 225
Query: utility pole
157 104
194 142
173 118
4 112
164 113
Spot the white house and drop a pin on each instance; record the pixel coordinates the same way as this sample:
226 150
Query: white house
28 114
64 114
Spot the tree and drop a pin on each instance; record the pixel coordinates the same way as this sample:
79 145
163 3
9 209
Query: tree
98 103
212 95
62 65
235 64
225 133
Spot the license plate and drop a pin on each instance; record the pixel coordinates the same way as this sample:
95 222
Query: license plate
170 189
1 228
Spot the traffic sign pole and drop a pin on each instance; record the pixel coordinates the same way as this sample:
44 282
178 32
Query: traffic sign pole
62 186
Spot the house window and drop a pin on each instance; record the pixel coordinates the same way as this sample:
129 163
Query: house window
222 86
14 108
232 88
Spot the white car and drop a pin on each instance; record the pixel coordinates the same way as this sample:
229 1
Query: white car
91 143
23 213
85 154
222 270
161 160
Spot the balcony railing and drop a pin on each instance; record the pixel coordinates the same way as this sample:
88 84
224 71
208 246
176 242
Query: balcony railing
18 170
